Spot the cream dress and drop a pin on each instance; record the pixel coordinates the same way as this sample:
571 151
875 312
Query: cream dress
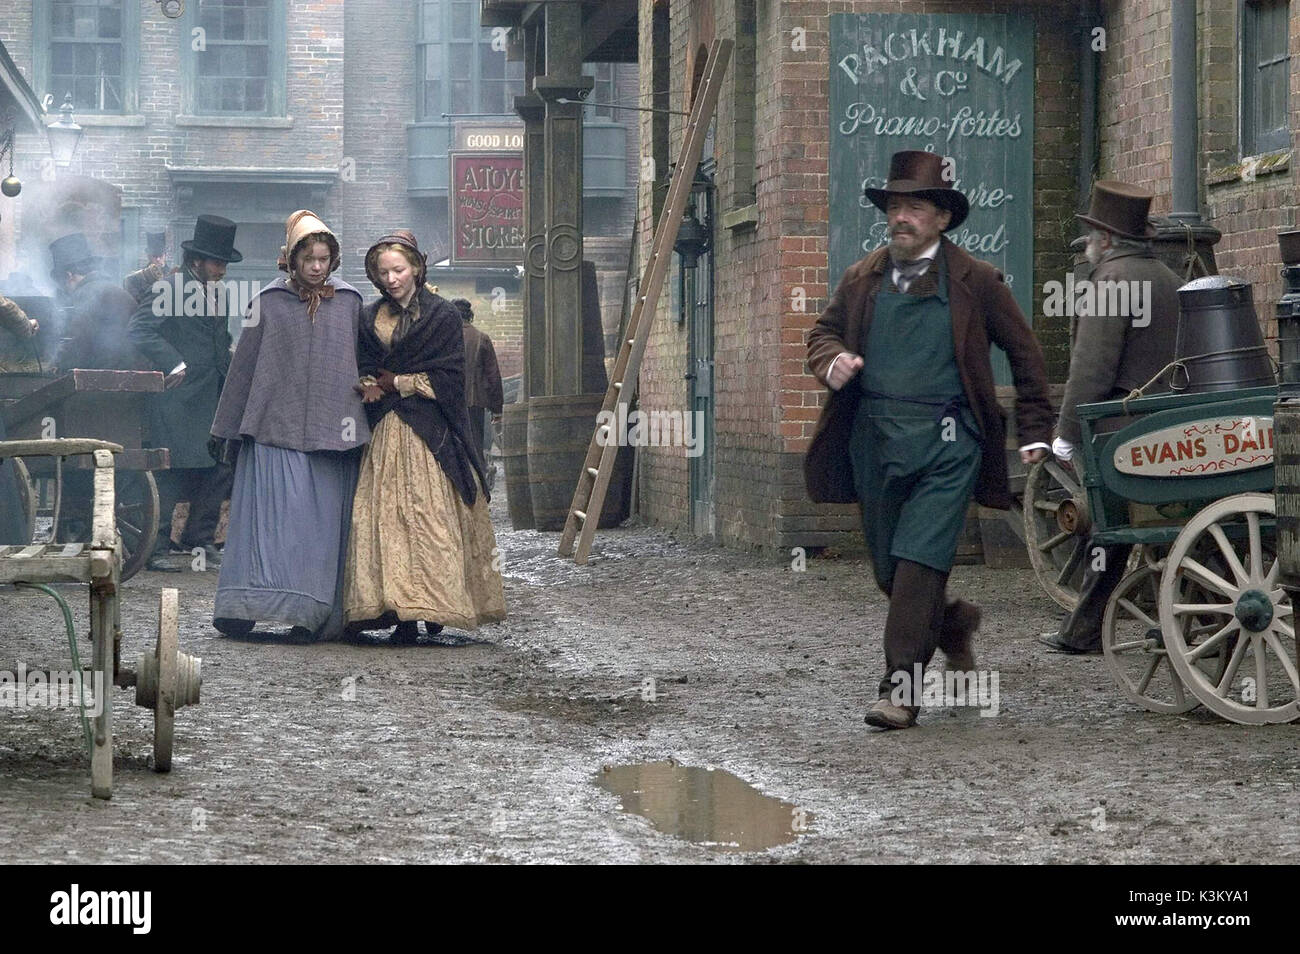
416 548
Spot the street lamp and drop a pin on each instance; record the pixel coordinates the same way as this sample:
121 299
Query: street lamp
64 135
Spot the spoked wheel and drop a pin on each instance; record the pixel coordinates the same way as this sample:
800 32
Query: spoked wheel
137 518
1057 527
27 497
1134 645
1236 609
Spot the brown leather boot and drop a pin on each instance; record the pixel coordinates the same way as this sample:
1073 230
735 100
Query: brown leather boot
957 634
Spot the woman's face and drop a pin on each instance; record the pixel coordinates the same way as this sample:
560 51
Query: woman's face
396 274
313 264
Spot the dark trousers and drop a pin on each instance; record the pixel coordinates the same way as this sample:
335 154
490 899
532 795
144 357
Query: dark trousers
205 488
920 621
1082 628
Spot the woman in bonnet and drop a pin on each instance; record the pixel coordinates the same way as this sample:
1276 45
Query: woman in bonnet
422 546
292 419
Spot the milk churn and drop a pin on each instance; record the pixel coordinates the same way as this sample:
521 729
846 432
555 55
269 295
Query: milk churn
1220 346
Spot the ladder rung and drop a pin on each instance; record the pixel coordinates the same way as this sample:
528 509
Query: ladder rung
593 471
580 515
618 385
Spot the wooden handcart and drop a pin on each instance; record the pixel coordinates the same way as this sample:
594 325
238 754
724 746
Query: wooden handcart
97 405
165 679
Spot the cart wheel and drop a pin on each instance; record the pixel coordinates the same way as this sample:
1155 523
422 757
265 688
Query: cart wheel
1057 527
1236 609
167 679
1134 649
27 493
164 710
137 518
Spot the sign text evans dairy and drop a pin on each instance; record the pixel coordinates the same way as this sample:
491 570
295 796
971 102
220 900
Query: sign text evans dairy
1199 448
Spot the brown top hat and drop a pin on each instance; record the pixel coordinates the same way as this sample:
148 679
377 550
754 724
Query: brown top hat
1120 208
919 173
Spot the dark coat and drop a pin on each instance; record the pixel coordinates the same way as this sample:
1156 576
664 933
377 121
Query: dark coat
983 312
482 373
181 418
1111 356
293 378
434 345
95 330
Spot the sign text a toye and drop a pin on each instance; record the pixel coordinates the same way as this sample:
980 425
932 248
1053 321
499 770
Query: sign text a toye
961 85
487 208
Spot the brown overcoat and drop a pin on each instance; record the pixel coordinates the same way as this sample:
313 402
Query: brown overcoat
983 312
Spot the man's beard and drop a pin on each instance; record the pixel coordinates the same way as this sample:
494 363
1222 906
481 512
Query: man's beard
903 253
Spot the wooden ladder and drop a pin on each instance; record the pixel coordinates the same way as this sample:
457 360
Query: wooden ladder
593 482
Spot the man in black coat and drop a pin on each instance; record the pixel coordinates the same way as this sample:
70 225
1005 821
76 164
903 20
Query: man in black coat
185 335
96 310
1113 354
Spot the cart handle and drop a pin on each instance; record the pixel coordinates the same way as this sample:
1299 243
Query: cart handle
63 447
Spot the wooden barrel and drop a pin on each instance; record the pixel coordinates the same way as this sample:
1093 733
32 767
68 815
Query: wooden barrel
559 433
514 456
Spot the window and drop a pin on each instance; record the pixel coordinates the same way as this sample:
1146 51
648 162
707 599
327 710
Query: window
88 49
1265 67
462 72
235 58
605 91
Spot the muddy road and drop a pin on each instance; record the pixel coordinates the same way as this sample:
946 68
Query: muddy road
488 749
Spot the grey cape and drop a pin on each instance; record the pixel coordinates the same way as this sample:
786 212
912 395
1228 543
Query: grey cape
290 383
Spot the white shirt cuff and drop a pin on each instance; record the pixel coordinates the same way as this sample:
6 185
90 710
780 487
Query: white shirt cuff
1062 448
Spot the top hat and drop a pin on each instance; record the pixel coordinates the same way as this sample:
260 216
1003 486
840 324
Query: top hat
919 173
155 243
1120 208
69 251
214 237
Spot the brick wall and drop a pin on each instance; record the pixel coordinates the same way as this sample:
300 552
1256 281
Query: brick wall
1137 134
766 403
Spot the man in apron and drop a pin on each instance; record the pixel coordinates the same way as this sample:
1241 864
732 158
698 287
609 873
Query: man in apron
912 429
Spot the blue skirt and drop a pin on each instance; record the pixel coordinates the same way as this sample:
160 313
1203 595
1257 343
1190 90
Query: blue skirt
287 542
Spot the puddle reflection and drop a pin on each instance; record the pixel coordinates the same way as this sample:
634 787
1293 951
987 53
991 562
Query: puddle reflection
708 806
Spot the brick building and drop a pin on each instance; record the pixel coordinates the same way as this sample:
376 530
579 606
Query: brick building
771 168
774 170
253 108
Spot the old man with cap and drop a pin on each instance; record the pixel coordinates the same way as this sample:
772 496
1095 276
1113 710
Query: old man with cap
187 337
912 427
1113 354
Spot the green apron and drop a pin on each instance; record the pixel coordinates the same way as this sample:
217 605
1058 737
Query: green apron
915 461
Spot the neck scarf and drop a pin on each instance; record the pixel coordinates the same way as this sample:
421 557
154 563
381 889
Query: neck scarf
908 272
311 294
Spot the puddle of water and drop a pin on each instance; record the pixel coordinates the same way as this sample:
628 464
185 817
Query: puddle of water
708 806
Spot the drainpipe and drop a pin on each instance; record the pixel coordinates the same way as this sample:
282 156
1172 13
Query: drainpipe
1087 102
1185 139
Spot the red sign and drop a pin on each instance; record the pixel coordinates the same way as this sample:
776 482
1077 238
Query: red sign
487 208
1199 448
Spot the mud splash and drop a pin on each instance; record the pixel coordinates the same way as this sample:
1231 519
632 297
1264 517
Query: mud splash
709 806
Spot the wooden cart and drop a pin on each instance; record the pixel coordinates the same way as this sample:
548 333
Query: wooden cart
1200 617
164 680
98 405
